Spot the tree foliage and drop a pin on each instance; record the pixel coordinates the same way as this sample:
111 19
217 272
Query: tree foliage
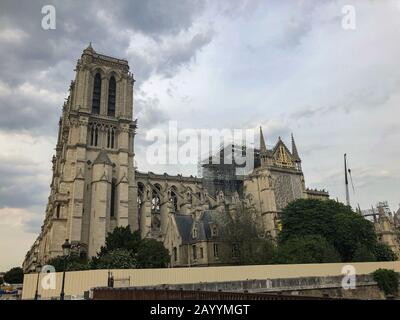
383 252
388 281
14 275
124 249
244 230
352 236
363 254
121 238
71 263
306 249
114 259
152 254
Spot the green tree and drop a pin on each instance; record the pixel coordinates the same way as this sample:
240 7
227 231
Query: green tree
388 281
306 249
383 252
114 259
14 275
244 230
343 228
152 254
71 263
363 254
353 232
125 249
121 238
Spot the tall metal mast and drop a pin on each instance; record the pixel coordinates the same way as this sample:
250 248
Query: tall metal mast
346 181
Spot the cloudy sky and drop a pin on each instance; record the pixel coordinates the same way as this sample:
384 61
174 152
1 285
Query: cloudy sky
289 66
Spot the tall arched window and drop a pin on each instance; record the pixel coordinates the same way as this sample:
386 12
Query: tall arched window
113 197
94 135
111 97
58 211
111 138
174 198
96 94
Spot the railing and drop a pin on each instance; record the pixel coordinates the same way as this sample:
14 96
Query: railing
104 293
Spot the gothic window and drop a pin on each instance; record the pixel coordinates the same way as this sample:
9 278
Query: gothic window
174 199
194 252
201 253
58 211
155 199
216 250
194 233
96 94
214 231
189 197
111 138
140 193
111 97
94 135
113 198
155 207
175 254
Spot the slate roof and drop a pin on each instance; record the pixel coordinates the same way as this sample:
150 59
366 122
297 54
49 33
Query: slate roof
185 224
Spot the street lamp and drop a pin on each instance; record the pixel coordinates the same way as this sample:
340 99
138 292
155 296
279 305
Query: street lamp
38 269
66 247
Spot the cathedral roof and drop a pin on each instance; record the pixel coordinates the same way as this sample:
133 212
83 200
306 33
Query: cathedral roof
102 158
186 223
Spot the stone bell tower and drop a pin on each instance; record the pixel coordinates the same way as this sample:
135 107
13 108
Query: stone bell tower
93 189
101 149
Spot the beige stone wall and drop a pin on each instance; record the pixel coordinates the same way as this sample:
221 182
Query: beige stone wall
79 281
258 188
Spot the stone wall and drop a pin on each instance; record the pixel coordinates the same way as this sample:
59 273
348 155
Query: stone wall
366 287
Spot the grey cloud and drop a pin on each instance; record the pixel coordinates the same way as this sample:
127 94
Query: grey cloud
149 112
157 17
183 54
149 115
109 25
28 113
21 185
309 149
364 98
46 58
168 54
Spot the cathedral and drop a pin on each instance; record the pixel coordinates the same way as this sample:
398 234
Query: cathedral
95 186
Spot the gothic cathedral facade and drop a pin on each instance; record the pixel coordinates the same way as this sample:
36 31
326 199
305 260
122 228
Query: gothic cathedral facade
95 186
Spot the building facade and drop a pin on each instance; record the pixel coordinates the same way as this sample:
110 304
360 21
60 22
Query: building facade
386 224
95 186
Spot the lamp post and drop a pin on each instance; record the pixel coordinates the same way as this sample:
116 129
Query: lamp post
38 269
66 247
